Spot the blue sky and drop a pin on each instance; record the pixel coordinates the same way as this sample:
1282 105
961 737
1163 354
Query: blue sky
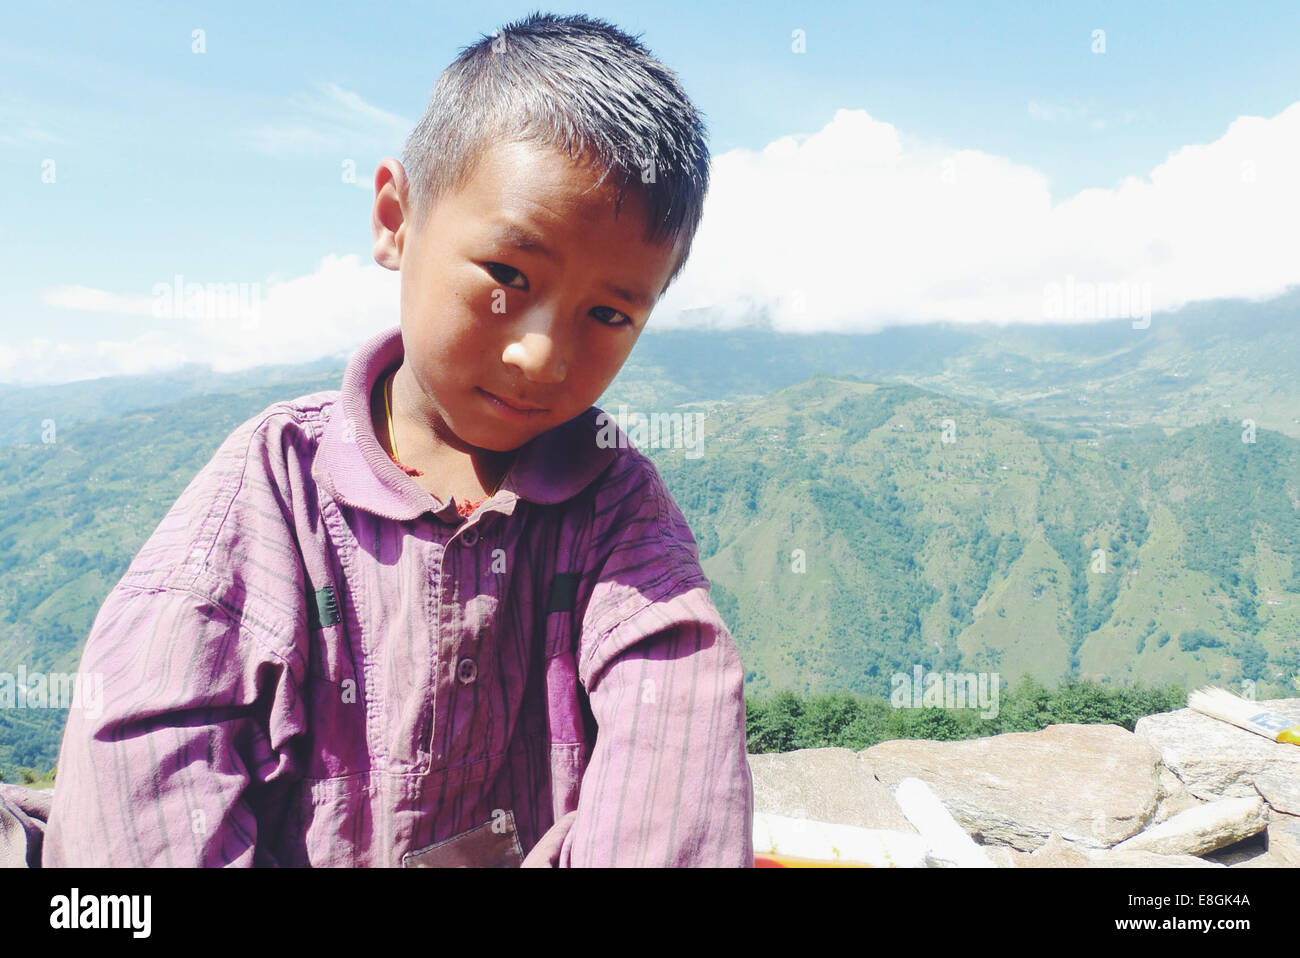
225 166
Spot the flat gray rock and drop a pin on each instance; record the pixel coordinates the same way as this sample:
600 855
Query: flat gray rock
1095 785
1058 853
1114 858
832 785
1283 845
1280 788
1217 760
1205 828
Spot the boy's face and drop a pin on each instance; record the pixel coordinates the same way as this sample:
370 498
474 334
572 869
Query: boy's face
547 325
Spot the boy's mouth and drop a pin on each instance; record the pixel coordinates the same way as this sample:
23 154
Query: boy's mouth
510 408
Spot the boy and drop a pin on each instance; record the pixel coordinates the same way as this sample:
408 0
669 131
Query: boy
429 619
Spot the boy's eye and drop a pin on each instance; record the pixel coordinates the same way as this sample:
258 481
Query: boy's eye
497 270
510 271
616 315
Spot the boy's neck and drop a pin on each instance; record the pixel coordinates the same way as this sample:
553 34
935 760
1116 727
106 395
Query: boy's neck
449 468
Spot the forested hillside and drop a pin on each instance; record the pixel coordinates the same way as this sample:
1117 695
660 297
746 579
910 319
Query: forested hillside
1207 362
847 540
1095 503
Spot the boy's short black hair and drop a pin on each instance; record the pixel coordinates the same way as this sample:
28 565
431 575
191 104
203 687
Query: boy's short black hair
576 84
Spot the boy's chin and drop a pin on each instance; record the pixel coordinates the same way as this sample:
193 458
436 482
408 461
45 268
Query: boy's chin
499 440
504 433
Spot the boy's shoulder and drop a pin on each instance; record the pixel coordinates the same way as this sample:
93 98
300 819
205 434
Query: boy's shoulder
304 416
640 536
247 491
277 446
642 571
626 478
632 488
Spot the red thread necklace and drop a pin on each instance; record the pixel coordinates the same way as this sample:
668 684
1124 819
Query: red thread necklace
463 508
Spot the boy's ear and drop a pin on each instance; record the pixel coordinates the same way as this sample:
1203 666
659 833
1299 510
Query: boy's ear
388 215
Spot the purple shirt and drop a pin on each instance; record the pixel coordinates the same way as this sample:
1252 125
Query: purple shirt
313 661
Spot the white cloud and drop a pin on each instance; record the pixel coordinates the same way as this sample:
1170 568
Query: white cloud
227 323
852 229
96 300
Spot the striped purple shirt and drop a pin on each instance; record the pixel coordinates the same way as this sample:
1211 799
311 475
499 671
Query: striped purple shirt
314 661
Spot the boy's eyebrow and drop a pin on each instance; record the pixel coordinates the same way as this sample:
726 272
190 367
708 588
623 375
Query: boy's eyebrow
512 234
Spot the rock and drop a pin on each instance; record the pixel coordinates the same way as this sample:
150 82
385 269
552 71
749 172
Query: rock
1056 852
1238 853
1114 858
1177 797
1202 829
834 785
1096 785
1004 856
949 846
1217 760
1283 845
1282 792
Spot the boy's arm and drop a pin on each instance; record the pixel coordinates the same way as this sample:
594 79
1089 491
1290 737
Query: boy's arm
183 708
183 734
668 783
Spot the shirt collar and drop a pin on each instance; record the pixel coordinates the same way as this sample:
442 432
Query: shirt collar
356 470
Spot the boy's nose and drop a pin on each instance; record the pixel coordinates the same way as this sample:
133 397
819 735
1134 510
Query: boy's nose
538 355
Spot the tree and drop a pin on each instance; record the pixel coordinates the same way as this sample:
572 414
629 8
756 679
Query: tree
1194 639
825 719
773 726
1253 658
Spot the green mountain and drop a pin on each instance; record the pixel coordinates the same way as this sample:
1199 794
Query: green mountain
25 412
1205 363
1028 500
847 541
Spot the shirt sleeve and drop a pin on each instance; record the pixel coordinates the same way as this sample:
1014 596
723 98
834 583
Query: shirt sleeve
181 738
668 782
178 725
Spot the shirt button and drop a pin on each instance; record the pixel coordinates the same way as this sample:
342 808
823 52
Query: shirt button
469 538
467 671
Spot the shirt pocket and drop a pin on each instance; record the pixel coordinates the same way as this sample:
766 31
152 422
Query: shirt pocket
493 844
